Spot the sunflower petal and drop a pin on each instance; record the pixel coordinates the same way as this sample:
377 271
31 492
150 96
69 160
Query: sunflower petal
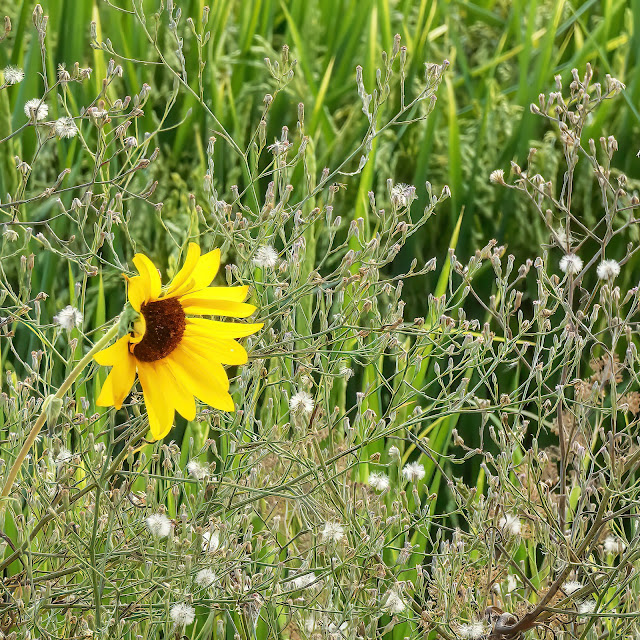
204 383
137 291
118 384
117 353
150 275
231 294
159 409
206 270
217 329
193 255
220 350
176 393
228 308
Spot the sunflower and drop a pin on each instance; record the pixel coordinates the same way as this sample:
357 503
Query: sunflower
176 356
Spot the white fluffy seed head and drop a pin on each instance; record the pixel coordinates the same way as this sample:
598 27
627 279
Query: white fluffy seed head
379 481
197 470
472 630
182 614
12 75
571 587
511 523
608 269
413 471
301 402
571 264
332 532
159 525
303 581
210 541
68 318
65 128
614 545
36 110
497 176
393 602
587 606
205 578
402 195
63 456
266 256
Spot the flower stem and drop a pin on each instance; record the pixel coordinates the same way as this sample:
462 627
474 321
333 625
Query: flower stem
64 387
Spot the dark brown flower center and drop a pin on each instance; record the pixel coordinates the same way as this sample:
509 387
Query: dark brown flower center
165 324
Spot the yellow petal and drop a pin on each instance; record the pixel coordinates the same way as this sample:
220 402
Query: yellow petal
206 270
199 307
220 350
159 410
118 352
118 383
148 271
204 383
193 255
217 329
176 393
137 291
232 294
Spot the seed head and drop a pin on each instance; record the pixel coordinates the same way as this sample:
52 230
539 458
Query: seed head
333 532
379 481
182 614
571 587
36 110
393 602
614 545
413 471
159 525
65 128
497 177
210 541
301 402
608 269
266 256
570 264
511 523
472 630
205 578
197 470
12 75
68 318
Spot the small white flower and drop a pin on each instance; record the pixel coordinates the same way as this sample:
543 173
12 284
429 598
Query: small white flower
10 234
497 176
413 471
63 456
279 147
210 541
333 532
301 402
345 372
511 523
570 264
608 269
65 127
197 470
159 525
205 578
182 614
393 602
472 630
512 583
13 75
394 452
402 195
588 606
565 241
571 587
614 545
68 318
36 110
303 581
266 256
379 481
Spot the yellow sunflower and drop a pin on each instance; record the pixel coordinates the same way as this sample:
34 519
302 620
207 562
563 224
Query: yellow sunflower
177 357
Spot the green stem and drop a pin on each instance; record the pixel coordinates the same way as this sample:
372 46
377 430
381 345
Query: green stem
75 372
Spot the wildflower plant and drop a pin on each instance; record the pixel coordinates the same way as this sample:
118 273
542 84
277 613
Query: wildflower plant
354 472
